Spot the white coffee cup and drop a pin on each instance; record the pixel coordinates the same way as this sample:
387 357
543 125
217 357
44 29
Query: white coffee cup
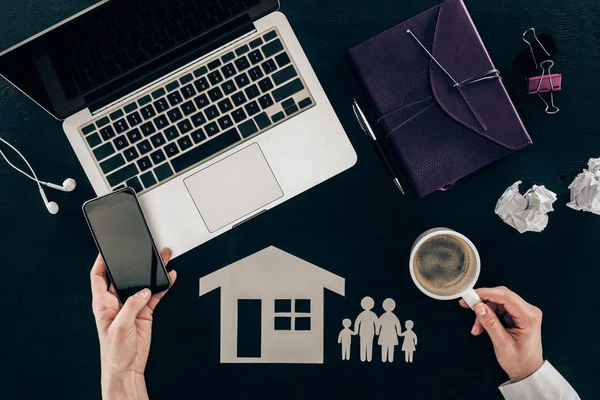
466 290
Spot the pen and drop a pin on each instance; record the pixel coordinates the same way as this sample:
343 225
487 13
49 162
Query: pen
364 125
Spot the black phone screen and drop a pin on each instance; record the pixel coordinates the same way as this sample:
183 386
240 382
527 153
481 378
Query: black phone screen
124 240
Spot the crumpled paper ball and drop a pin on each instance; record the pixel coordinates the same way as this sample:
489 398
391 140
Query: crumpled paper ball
585 189
527 212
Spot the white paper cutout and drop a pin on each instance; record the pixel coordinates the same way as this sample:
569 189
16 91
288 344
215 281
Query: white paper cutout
409 346
528 212
387 327
268 275
585 189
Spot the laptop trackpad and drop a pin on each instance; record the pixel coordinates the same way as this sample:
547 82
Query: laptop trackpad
233 187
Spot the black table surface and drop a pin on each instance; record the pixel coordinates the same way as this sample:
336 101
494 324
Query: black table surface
355 225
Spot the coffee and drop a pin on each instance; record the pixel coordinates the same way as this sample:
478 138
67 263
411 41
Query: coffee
444 265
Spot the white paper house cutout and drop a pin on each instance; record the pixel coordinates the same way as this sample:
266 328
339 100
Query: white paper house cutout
270 275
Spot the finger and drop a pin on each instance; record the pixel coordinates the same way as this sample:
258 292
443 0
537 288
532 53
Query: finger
518 308
158 296
98 277
463 303
165 255
477 328
132 307
490 322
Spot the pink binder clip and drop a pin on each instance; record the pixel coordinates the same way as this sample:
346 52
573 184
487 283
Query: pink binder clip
546 83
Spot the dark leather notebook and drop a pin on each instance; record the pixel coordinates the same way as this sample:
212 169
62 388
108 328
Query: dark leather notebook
439 122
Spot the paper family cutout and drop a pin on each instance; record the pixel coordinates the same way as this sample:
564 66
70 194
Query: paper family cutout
283 296
387 327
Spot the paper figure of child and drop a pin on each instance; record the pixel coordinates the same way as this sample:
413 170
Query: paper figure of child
366 325
410 342
345 338
390 329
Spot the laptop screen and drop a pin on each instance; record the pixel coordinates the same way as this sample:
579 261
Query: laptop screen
120 43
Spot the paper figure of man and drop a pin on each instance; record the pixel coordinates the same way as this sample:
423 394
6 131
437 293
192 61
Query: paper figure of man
366 325
345 338
390 329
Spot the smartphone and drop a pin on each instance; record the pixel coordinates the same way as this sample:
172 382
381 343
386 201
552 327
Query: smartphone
125 243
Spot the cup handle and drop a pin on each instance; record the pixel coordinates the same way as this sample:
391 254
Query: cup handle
471 298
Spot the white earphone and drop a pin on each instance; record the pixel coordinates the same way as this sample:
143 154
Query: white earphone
67 186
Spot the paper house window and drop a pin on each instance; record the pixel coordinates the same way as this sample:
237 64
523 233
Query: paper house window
292 315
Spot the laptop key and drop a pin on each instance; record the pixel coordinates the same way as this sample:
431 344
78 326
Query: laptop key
305 102
131 154
205 150
174 115
198 119
242 50
265 101
262 120
198 136
225 122
200 71
161 105
134 135
255 43
270 35
239 115
242 80
225 106
148 112
171 133
269 66
239 98
120 142
287 103
135 184
161 122
278 117
215 77
88 129
116 115
241 63
134 118
144 147
112 163
184 143
291 110
228 87
148 179
148 128
122 175
248 128
184 126
158 93
265 84
252 108
214 64
144 100
215 94
252 92
188 91
211 112
104 151
121 125
188 107
228 57
171 149
287 90
255 56
272 48
93 139
144 163
158 156
107 133
201 101
172 86
174 98
201 84
102 122
212 129
162 172
282 59
186 79
284 75
157 140
130 107
228 70
255 73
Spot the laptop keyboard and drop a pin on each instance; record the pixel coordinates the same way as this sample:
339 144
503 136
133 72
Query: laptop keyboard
201 113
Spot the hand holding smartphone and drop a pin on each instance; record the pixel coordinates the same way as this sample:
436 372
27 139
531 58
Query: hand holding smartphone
125 243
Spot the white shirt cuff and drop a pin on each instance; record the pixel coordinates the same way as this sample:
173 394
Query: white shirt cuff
545 384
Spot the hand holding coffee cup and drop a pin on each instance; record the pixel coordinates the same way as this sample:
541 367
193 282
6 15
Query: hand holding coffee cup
445 265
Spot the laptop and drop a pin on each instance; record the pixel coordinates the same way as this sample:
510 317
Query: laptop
208 109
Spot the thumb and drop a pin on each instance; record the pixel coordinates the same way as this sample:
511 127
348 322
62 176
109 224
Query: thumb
490 322
132 307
